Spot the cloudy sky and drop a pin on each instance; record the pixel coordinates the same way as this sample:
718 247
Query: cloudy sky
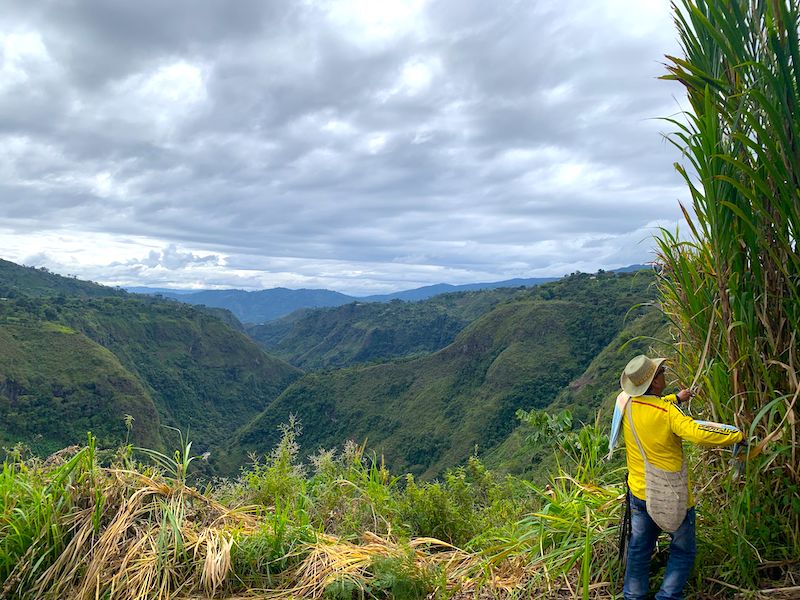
364 146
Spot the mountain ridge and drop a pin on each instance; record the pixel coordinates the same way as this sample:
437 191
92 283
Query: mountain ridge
425 414
437 378
78 357
260 306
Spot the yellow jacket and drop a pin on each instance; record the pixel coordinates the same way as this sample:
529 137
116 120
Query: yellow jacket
661 426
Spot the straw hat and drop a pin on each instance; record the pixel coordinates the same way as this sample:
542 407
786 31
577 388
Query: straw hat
639 374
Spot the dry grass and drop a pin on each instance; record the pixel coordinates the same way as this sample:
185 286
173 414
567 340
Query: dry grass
156 539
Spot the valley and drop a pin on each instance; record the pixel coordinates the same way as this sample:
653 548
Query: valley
423 384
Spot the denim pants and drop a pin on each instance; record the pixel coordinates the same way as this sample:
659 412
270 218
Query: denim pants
644 533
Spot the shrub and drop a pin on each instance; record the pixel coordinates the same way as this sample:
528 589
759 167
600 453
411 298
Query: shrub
351 493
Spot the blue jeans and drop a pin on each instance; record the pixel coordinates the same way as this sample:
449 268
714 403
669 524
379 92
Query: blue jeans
644 533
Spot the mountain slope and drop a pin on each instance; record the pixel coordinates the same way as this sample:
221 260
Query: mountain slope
70 363
429 413
203 376
362 332
262 305
57 384
29 281
589 396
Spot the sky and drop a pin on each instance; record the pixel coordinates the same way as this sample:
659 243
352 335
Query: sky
363 146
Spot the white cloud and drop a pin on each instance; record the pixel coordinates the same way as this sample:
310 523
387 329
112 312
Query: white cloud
356 145
160 100
22 54
369 23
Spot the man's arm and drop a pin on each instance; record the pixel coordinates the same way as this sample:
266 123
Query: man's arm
704 433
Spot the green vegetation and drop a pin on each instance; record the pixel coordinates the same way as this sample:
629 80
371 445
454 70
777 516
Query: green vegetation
28 281
58 384
427 414
348 529
589 398
363 332
733 290
76 363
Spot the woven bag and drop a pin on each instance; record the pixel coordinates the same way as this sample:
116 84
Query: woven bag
667 491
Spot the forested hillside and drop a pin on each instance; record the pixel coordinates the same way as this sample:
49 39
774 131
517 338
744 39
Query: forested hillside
429 413
77 357
17 280
589 397
362 332
424 383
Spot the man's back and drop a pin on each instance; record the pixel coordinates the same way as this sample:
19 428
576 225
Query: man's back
663 448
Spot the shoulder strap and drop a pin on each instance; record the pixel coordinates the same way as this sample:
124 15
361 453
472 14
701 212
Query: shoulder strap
633 429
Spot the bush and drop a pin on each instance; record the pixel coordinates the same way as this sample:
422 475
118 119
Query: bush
469 502
280 478
351 494
256 558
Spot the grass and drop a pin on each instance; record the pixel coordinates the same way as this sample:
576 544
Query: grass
348 529
731 289
131 530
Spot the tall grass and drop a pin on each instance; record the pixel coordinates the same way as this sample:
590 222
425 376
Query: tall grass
74 529
732 290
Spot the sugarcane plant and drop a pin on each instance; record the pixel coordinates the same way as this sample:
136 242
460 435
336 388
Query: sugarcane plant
731 283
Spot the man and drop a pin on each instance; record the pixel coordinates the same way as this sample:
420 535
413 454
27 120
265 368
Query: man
661 426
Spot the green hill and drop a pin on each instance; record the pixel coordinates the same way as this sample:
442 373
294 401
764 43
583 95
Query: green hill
362 332
57 384
589 396
18 280
428 413
73 363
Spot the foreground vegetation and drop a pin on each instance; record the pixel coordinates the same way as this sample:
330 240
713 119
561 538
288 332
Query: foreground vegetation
130 524
347 528
733 290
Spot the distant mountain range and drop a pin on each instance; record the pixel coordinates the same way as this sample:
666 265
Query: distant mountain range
267 305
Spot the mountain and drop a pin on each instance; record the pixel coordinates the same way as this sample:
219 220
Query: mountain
589 396
56 384
429 413
428 291
157 291
267 305
78 357
362 332
633 269
262 305
425 383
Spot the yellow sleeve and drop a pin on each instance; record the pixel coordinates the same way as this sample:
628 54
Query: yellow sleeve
671 398
704 433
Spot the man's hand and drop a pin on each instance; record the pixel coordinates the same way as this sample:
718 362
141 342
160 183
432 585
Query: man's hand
685 395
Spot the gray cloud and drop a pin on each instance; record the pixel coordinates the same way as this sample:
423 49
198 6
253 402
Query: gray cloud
254 144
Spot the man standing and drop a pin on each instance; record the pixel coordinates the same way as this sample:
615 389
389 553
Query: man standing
660 427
